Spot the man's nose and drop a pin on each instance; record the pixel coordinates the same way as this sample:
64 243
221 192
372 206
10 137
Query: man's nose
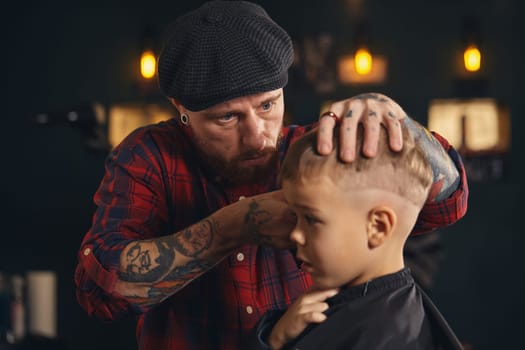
253 132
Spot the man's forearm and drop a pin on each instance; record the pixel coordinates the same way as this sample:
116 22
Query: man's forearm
152 270
446 177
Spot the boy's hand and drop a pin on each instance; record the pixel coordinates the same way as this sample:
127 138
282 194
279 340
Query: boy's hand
307 309
371 110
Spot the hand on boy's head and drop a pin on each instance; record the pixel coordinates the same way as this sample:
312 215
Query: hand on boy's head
268 220
371 110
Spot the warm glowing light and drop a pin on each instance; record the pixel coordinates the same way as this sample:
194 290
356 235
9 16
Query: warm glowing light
474 124
126 117
472 58
363 61
347 72
148 64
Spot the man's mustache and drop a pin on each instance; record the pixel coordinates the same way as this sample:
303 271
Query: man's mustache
257 154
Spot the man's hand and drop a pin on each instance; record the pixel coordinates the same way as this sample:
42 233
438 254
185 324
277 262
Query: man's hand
267 219
305 310
370 109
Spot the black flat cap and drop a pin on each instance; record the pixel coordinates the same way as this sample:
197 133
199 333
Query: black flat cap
223 50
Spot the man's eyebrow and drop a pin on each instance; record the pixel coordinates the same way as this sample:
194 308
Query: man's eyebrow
272 98
222 110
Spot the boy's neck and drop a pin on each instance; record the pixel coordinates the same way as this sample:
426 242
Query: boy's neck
389 281
378 268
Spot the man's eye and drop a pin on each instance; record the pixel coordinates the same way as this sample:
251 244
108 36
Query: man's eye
267 105
226 118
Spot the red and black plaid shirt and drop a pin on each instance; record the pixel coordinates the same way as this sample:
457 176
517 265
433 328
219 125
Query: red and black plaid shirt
154 186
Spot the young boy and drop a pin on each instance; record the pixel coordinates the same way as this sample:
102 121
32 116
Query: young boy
352 222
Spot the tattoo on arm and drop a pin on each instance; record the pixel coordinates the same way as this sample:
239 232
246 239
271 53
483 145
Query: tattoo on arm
194 240
151 294
446 176
253 220
152 263
143 265
178 278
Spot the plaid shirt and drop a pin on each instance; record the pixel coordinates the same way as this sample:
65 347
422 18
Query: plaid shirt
154 186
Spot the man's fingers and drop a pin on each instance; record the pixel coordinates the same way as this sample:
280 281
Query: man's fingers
348 130
372 110
325 135
371 125
395 134
327 125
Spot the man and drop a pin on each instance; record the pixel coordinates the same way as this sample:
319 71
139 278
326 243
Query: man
190 224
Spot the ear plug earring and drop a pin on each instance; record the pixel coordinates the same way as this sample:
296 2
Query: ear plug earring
184 118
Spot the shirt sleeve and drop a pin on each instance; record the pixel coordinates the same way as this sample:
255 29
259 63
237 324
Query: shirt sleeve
130 206
446 212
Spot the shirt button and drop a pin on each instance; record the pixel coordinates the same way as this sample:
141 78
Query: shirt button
87 251
249 310
241 197
240 257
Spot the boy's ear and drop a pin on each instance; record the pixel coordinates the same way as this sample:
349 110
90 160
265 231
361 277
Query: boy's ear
380 225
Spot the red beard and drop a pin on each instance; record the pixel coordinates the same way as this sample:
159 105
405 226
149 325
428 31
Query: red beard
233 172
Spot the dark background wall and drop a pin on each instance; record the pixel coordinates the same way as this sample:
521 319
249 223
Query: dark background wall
59 54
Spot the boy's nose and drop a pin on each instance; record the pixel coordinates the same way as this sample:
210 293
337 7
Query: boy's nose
297 236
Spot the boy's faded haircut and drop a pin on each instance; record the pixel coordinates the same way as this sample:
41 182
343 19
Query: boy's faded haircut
406 173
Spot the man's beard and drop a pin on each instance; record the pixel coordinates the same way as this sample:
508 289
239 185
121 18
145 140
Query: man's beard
231 172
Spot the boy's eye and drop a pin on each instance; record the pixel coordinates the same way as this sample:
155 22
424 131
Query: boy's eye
311 220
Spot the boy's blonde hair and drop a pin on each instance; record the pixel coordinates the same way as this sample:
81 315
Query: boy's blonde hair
406 173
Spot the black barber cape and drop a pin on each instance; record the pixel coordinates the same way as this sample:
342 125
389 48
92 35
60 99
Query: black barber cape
391 312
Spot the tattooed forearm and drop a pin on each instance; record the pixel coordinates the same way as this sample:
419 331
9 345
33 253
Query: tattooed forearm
446 176
153 270
189 271
143 265
195 239
253 220
178 278
145 295
151 261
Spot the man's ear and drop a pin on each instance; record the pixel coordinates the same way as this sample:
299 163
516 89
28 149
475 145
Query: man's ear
380 225
176 104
